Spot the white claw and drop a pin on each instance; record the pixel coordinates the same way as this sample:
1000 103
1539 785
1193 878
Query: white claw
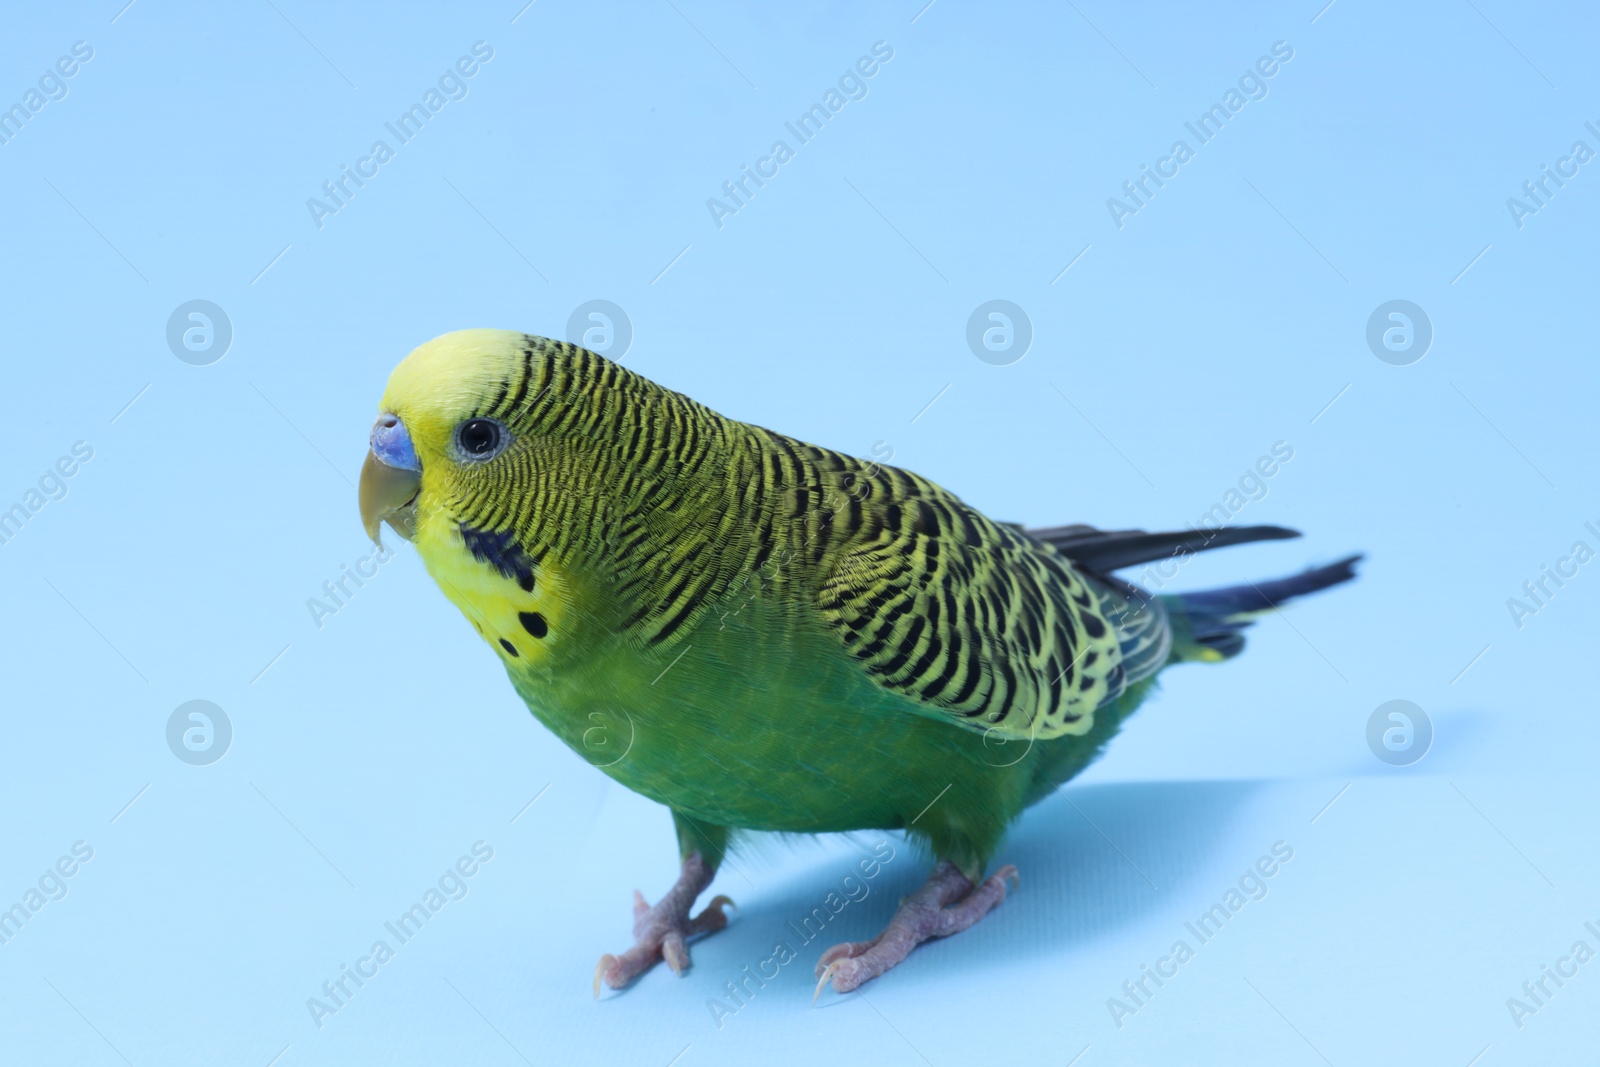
606 963
826 975
677 957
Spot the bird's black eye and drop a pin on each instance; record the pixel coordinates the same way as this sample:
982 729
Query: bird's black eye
480 438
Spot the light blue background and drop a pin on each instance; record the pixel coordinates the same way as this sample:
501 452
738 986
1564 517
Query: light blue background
1223 317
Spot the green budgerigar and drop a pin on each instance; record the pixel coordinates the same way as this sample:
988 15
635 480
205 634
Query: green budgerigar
797 640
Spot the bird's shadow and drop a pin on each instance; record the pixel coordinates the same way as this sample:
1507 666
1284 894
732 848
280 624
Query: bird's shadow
1091 860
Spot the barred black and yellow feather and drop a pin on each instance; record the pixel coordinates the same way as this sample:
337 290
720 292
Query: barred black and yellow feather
969 618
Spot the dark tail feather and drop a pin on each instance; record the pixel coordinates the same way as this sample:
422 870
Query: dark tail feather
1104 551
1208 626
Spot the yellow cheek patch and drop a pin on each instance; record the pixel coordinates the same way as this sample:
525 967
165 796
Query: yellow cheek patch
515 604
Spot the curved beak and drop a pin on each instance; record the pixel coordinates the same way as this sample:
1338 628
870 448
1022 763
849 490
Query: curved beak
390 479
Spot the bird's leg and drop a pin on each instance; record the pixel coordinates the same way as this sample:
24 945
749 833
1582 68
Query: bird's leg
946 904
661 932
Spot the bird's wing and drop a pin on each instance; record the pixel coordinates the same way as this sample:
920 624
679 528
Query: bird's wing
975 621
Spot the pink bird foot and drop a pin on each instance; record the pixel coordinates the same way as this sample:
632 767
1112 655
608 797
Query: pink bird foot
946 904
662 932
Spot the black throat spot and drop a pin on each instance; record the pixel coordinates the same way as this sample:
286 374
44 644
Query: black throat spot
502 552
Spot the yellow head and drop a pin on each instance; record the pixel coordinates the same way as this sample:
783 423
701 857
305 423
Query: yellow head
489 453
448 422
